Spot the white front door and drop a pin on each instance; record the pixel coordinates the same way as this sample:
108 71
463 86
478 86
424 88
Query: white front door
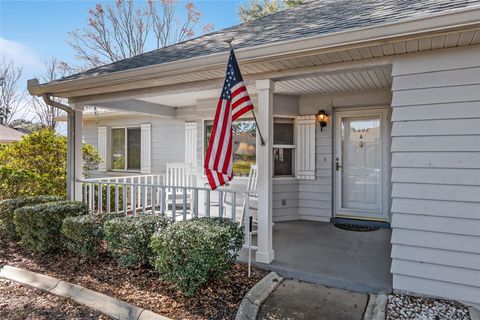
360 163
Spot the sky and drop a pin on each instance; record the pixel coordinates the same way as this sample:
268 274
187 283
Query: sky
31 32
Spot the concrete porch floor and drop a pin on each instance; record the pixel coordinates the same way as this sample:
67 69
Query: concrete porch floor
321 253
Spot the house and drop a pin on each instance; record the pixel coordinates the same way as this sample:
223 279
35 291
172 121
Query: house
399 83
9 134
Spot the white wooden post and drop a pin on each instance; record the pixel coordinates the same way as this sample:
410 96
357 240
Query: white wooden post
78 158
265 253
74 154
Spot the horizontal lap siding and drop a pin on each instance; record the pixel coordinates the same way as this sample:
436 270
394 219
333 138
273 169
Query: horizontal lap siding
436 174
167 136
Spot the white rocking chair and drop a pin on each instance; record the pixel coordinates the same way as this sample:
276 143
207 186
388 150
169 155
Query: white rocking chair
252 188
178 175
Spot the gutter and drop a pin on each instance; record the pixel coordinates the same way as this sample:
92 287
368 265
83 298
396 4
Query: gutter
385 33
33 83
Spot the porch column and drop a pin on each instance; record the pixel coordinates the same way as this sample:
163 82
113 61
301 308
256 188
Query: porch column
74 152
265 253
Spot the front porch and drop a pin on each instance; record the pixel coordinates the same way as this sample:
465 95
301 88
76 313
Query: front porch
321 253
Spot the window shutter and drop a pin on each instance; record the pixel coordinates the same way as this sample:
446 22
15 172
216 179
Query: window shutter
305 147
190 143
102 148
146 148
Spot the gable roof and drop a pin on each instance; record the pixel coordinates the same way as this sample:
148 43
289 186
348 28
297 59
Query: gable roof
313 18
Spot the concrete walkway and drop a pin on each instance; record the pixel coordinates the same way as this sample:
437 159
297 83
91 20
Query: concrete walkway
293 300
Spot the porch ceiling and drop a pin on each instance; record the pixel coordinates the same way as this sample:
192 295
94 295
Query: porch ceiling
355 80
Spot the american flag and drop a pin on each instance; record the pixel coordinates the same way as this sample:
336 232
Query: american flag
233 103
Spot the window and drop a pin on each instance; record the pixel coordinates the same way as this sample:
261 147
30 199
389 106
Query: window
244 145
126 149
283 147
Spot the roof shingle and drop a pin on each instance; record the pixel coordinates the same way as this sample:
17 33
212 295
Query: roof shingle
313 18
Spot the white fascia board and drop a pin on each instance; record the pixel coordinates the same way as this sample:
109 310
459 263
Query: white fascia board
454 19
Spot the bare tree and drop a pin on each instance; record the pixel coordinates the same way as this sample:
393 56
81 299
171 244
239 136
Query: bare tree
12 96
255 9
45 114
123 29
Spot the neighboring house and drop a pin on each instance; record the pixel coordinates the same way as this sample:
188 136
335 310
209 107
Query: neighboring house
9 134
400 82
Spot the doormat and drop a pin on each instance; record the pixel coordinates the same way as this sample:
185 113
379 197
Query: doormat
356 227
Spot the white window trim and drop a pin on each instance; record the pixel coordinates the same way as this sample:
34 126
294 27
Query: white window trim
285 146
126 150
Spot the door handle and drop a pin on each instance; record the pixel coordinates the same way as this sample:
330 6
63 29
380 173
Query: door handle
337 165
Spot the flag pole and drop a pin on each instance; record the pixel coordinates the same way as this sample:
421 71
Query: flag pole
229 41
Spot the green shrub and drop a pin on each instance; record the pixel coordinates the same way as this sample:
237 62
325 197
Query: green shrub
189 253
84 234
39 226
15 183
44 153
7 208
128 238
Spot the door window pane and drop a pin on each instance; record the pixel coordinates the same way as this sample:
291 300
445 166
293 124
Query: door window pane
282 162
361 174
133 148
118 149
283 133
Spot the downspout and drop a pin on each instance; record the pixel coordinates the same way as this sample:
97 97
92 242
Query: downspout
70 142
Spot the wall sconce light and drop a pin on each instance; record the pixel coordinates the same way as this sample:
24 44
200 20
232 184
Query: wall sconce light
322 118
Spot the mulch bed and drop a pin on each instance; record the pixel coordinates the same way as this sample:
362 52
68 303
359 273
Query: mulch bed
19 302
141 286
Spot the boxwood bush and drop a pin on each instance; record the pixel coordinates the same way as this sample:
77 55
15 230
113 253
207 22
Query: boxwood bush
84 234
189 253
39 226
128 238
7 208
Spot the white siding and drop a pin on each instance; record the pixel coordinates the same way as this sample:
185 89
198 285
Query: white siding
315 196
436 174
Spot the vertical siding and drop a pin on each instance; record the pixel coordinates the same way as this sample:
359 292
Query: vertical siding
436 174
315 196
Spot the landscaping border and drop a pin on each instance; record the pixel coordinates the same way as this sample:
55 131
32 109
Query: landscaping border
256 296
112 307
376 308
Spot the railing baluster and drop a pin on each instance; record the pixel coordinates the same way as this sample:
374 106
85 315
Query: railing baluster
116 197
234 206
134 200
139 181
124 192
108 198
163 200
144 199
91 196
154 198
184 204
207 203
174 203
100 199
195 203
220 204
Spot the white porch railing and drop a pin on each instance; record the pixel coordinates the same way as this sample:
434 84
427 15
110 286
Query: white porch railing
147 194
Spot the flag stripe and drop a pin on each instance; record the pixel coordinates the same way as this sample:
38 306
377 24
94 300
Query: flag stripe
234 102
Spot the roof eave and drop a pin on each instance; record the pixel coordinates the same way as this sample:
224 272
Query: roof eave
455 19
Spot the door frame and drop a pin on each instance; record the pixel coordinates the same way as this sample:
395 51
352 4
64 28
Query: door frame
338 212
